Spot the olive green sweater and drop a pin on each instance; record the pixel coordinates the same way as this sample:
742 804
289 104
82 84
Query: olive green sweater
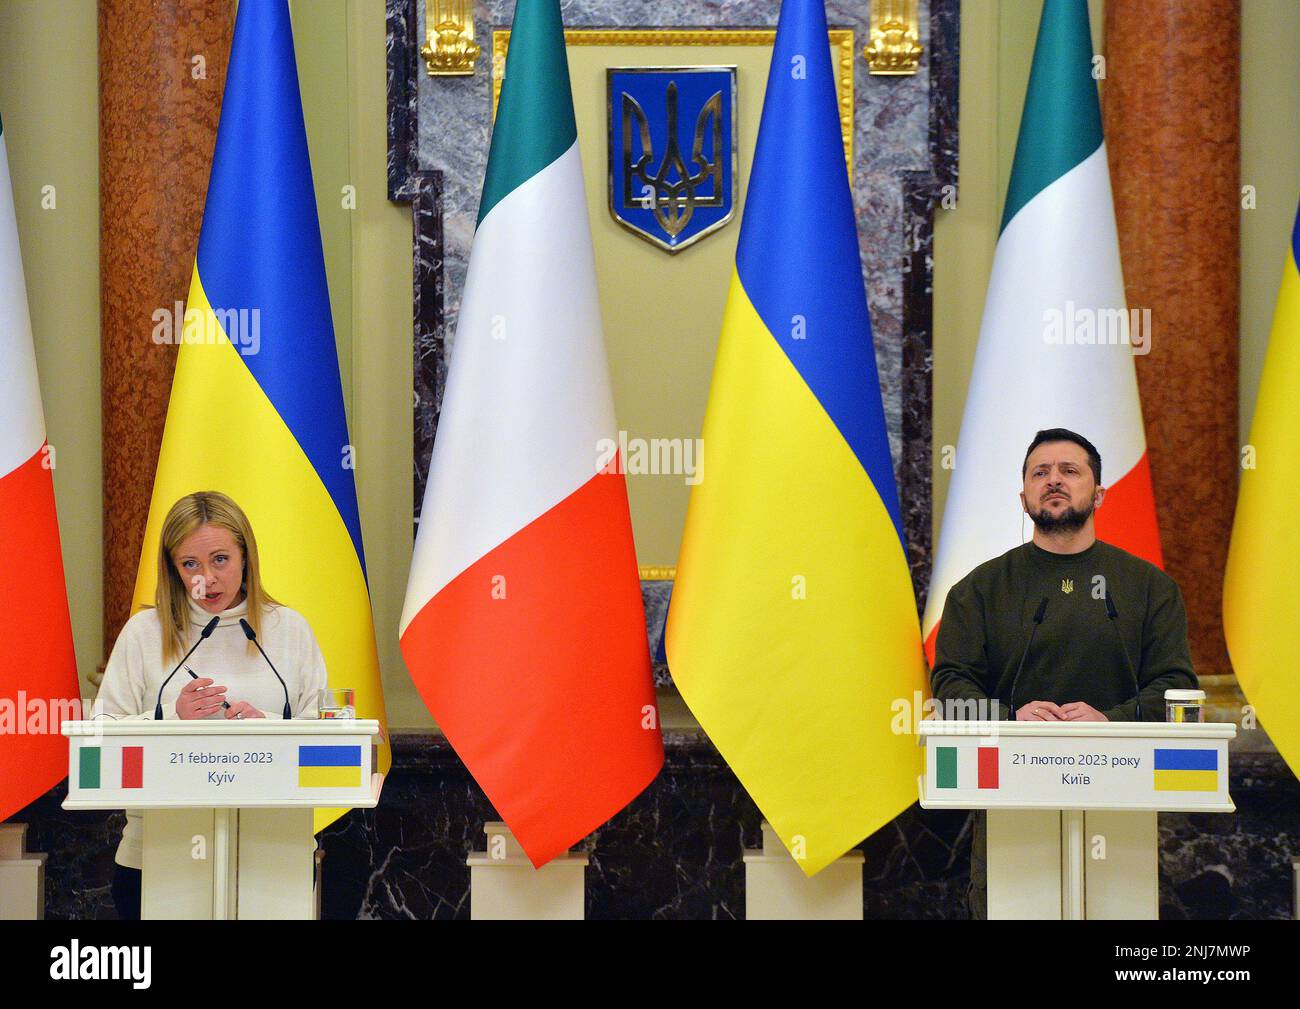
1076 653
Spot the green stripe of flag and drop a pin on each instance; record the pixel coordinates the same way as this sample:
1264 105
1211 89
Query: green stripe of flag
945 772
88 768
1061 124
535 123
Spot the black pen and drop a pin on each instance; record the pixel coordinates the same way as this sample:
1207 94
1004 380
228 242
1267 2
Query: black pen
195 676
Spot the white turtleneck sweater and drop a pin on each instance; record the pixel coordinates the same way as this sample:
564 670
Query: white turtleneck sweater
136 670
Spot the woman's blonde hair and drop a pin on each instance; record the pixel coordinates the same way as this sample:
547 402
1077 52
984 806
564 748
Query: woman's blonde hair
172 594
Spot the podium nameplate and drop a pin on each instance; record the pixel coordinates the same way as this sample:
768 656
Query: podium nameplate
1082 765
144 764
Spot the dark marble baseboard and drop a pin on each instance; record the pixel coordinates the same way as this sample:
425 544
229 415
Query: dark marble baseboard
676 851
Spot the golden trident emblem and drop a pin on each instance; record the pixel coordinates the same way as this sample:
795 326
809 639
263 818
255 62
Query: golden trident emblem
1067 585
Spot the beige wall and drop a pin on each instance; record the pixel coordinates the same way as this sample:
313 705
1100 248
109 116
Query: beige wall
49 98
381 356
321 40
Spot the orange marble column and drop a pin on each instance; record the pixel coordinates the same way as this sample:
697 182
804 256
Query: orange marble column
161 71
1170 104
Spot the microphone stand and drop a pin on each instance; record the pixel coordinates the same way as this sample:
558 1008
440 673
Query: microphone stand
252 636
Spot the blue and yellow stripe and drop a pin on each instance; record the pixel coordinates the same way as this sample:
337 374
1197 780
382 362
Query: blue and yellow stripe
268 427
260 246
329 766
797 257
793 629
1186 770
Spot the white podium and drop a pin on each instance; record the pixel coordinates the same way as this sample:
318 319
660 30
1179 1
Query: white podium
1072 805
777 890
227 805
504 886
22 876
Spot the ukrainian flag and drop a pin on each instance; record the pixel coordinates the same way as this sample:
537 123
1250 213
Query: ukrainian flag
1261 611
1186 770
329 766
793 632
256 407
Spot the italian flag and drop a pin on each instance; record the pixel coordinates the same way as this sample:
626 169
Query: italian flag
37 662
1055 345
110 767
965 767
523 626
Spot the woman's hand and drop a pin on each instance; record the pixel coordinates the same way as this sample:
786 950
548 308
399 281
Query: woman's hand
243 709
199 699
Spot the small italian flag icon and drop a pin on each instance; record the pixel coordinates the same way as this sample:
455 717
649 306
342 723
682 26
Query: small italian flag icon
111 767
966 767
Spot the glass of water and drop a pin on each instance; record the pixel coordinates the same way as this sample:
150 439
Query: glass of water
337 702
1184 705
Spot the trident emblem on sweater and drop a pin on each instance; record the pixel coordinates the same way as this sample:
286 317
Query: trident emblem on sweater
656 115
1067 585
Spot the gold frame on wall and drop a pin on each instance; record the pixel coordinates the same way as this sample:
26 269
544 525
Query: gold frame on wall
840 38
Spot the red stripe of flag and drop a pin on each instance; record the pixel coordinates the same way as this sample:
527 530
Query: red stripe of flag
545 692
1129 521
133 767
36 654
988 767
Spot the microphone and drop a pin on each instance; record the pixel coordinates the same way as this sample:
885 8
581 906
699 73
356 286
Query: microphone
203 636
1038 620
1113 614
252 636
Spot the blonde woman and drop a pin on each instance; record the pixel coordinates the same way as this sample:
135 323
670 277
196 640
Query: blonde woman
207 567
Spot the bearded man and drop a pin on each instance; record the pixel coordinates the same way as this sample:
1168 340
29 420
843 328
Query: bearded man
1064 627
